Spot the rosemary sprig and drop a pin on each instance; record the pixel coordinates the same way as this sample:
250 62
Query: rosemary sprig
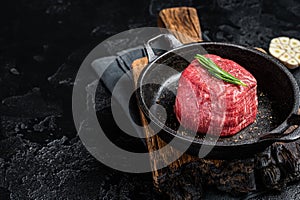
218 72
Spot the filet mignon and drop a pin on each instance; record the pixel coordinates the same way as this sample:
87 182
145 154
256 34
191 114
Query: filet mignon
209 105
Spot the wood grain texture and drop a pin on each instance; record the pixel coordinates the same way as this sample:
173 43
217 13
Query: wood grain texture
184 23
155 143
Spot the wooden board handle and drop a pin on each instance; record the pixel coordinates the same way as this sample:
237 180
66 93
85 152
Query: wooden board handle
183 20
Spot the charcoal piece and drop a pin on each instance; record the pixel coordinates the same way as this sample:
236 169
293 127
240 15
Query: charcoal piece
236 177
228 176
263 159
188 185
279 165
287 157
271 176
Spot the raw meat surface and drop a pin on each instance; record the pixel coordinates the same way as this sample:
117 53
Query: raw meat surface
208 105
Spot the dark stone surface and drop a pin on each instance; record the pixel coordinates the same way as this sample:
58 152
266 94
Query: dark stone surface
34 118
63 169
40 155
10 78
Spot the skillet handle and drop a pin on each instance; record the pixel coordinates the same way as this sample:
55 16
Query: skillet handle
163 41
293 120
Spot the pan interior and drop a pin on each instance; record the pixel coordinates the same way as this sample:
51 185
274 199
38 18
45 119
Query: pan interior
275 94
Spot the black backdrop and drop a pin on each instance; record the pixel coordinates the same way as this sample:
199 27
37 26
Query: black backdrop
40 155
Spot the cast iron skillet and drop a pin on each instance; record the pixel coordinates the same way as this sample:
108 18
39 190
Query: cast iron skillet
278 96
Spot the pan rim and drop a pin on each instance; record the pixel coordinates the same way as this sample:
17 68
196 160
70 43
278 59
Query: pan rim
279 128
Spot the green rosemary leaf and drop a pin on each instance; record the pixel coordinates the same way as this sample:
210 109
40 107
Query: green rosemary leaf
218 72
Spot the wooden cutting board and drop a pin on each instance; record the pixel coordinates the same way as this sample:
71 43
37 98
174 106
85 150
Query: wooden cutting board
183 179
189 173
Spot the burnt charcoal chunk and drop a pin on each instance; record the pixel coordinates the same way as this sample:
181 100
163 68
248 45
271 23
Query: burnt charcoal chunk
236 177
279 165
185 186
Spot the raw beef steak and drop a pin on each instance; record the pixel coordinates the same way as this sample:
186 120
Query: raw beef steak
209 105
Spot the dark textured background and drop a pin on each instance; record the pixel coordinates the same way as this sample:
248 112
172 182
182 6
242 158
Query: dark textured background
42 44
